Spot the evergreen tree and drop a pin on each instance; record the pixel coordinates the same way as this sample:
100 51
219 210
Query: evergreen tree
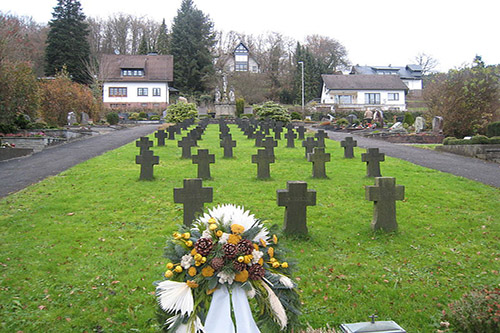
313 69
143 47
191 46
162 42
67 44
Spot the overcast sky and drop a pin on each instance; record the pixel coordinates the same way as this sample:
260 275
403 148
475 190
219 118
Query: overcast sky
374 32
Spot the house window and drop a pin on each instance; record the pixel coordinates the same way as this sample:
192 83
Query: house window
372 98
342 99
142 91
393 96
117 92
241 67
132 72
156 92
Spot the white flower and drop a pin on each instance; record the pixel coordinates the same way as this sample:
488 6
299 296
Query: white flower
206 234
223 239
256 256
187 261
284 280
226 277
231 214
193 325
175 296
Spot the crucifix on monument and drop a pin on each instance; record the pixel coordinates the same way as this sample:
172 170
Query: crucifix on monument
384 194
296 198
193 196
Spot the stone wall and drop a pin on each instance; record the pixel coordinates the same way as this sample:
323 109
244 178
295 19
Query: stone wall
8 153
485 152
405 138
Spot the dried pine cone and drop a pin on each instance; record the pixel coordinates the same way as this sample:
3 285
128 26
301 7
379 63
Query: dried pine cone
217 263
203 246
230 250
256 272
239 266
244 247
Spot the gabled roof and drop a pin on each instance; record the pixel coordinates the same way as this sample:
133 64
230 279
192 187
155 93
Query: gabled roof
363 82
156 67
409 72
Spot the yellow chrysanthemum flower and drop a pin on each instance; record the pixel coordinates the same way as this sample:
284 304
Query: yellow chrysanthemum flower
170 265
192 271
276 264
169 274
237 228
234 239
207 271
263 242
212 227
284 265
192 284
189 243
219 233
275 239
186 235
270 251
241 276
178 269
212 220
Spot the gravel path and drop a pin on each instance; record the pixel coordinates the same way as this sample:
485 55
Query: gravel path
18 173
467 167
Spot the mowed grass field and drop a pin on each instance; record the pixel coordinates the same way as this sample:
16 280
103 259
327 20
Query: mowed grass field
80 251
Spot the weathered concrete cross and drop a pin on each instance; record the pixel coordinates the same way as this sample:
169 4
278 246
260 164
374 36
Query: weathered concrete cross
296 198
258 136
147 160
193 196
301 130
144 144
263 159
160 135
309 144
228 144
384 194
290 138
186 143
373 158
321 135
269 143
277 132
349 143
172 130
203 159
318 158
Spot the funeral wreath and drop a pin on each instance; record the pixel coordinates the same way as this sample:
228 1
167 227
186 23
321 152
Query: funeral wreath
224 272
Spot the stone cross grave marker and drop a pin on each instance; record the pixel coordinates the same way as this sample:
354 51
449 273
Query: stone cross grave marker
384 194
144 144
186 143
160 136
264 127
321 135
263 159
258 136
318 158
277 132
147 161
301 130
249 132
296 198
289 126
290 138
203 159
269 143
193 196
309 144
228 144
349 143
172 130
373 158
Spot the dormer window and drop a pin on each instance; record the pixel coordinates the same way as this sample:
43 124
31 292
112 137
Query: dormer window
132 72
241 58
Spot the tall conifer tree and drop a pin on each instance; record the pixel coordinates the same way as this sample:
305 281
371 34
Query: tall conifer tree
162 43
192 42
67 44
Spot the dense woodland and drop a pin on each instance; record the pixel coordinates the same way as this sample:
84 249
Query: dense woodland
31 50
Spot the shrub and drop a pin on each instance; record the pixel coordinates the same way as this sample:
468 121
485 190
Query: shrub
342 122
479 139
273 111
408 119
112 118
477 311
449 140
295 115
240 106
495 140
493 129
246 115
143 115
134 116
176 113
154 117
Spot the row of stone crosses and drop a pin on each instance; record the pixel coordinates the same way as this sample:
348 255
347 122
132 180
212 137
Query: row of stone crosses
296 197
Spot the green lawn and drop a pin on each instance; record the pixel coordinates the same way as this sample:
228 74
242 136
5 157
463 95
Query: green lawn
80 251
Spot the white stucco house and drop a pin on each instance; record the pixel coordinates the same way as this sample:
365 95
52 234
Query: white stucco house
136 81
411 75
363 92
241 60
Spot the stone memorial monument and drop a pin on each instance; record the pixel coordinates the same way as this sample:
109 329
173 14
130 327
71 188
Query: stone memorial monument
225 106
